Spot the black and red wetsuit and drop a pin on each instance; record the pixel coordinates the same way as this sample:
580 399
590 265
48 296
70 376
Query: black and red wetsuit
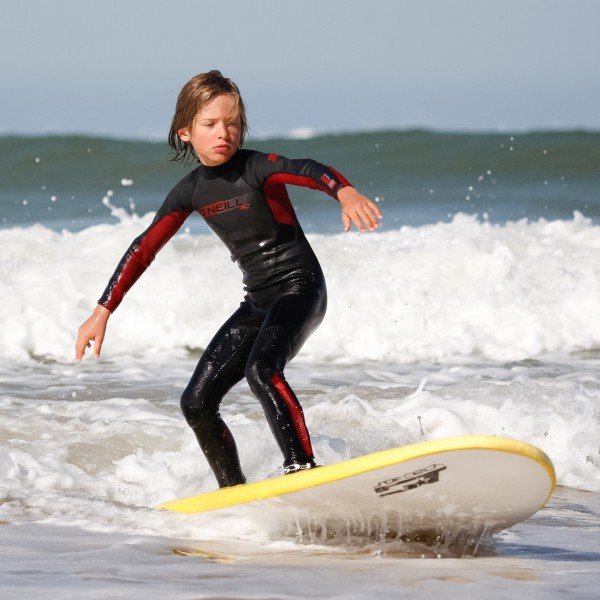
245 202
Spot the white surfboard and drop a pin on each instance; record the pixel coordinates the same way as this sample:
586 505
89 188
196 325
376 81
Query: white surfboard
447 486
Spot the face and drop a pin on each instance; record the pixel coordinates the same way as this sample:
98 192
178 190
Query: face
215 133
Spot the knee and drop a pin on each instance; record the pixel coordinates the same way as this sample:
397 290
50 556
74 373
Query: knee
258 375
195 408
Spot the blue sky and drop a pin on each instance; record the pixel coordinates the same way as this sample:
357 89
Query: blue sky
115 67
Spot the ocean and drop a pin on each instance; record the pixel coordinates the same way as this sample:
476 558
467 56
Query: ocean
474 309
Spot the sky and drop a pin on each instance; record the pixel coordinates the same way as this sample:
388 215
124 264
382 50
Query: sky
115 67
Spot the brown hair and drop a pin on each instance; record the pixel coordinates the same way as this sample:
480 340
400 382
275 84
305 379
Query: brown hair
199 91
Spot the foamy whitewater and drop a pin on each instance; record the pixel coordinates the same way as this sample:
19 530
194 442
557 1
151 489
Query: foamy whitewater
453 327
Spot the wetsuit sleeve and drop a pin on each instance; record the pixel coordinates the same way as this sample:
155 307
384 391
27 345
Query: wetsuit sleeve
272 169
142 251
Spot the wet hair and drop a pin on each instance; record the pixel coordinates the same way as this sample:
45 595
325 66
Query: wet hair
197 93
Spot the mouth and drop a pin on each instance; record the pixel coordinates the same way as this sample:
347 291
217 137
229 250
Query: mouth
222 147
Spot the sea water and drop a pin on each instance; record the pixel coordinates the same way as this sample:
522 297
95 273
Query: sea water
473 310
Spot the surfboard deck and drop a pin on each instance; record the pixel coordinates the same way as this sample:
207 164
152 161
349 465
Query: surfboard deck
474 482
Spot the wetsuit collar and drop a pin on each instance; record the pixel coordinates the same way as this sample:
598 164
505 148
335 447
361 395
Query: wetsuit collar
219 170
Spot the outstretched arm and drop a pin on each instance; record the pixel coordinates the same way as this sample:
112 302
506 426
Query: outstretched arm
135 261
140 255
273 171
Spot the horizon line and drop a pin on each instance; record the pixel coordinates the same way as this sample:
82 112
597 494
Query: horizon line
308 133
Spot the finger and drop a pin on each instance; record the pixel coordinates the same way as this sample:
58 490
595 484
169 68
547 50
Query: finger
374 212
375 209
346 221
79 349
368 218
357 221
98 345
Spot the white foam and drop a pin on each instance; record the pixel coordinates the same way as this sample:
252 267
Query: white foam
302 133
57 454
434 292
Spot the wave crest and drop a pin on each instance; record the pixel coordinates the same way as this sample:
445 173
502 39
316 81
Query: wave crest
434 292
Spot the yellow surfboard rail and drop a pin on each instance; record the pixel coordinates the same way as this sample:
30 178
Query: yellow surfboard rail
287 484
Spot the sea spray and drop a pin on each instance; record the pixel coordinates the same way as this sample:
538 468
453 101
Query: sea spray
465 288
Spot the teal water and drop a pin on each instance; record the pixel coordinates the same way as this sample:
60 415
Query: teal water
417 176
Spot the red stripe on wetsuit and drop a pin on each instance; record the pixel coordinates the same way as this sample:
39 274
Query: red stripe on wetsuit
295 411
142 255
278 199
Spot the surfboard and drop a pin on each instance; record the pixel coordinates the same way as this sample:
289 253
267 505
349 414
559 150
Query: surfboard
468 483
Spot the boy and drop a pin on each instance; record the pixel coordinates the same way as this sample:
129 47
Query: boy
242 196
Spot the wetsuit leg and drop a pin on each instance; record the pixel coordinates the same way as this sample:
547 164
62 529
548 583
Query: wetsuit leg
289 321
220 367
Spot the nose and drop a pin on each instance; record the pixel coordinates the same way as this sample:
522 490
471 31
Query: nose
222 130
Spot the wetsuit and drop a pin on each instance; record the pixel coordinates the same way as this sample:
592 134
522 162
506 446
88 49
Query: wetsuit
245 202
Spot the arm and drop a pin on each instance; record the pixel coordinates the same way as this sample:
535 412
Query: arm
140 255
273 171
134 262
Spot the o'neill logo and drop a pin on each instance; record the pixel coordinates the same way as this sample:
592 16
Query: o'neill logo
328 181
216 208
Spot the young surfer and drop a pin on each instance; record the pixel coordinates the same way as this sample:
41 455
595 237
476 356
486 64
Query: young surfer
242 196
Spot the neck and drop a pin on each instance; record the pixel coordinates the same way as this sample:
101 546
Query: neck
212 171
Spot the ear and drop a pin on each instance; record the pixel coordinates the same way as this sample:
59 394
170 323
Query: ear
184 134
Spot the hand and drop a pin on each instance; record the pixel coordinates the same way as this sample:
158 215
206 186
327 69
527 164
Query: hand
92 329
358 209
